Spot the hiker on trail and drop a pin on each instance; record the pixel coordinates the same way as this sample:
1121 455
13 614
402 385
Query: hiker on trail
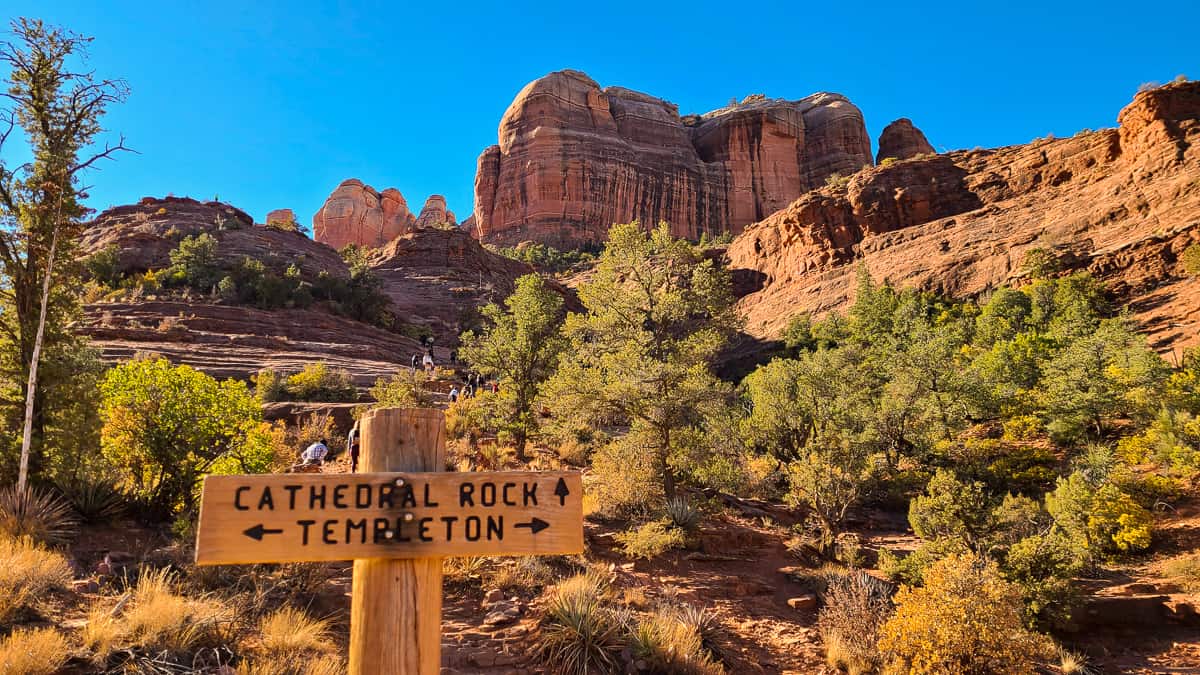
353 443
427 362
453 356
454 394
415 359
315 453
495 387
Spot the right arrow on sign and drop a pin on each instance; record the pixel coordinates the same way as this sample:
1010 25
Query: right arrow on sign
536 525
561 491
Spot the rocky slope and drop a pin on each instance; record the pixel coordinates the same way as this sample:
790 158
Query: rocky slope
1122 203
574 158
437 277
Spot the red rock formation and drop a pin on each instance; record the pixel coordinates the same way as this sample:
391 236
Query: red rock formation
144 234
434 212
436 276
574 158
902 140
282 216
1122 203
355 213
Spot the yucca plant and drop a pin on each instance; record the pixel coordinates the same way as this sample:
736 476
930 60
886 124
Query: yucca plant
95 501
38 514
683 514
581 636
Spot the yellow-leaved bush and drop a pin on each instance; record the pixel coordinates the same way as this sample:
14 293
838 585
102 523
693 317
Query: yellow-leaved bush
965 619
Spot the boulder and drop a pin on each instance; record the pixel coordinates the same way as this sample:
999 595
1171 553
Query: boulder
573 158
902 140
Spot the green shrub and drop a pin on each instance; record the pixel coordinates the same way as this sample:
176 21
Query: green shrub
269 385
650 540
951 510
622 485
1099 519
318 382
1043 567
836 181
888 161
165 425
38 514
1185 571
104 266
407 388
194 262
1190 258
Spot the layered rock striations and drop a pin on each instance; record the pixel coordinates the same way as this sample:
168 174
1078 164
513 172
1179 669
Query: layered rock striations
902 140
574 158
1122 203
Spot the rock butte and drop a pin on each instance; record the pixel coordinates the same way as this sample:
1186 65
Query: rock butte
1122 203
574 158
902 140
355 213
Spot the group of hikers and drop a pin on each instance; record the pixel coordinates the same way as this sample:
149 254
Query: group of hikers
315 454
471 387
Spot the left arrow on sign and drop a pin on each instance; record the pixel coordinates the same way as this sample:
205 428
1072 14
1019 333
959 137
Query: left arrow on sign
258 531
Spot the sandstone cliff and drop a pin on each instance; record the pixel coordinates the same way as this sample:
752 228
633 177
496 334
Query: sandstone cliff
1122 203
574 158
902 140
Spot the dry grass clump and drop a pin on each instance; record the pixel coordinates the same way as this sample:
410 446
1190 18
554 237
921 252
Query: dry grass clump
289 631
27 572
153 619
38 514
325 665
41 651
856 606
1185 571
669 644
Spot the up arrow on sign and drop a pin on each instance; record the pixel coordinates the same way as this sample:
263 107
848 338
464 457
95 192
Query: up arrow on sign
396 522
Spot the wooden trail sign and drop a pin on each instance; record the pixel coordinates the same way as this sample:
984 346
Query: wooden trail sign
313 517
396 521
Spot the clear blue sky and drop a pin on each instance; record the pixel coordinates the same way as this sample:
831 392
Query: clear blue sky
271 104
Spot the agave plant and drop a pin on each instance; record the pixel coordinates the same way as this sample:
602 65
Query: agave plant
38 514
683 514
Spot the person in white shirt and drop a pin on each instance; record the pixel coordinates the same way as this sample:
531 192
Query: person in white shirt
315 453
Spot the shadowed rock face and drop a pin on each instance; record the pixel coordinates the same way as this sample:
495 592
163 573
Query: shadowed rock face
1123 203
573 159
902 140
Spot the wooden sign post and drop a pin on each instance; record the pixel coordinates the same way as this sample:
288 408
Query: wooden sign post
396 521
